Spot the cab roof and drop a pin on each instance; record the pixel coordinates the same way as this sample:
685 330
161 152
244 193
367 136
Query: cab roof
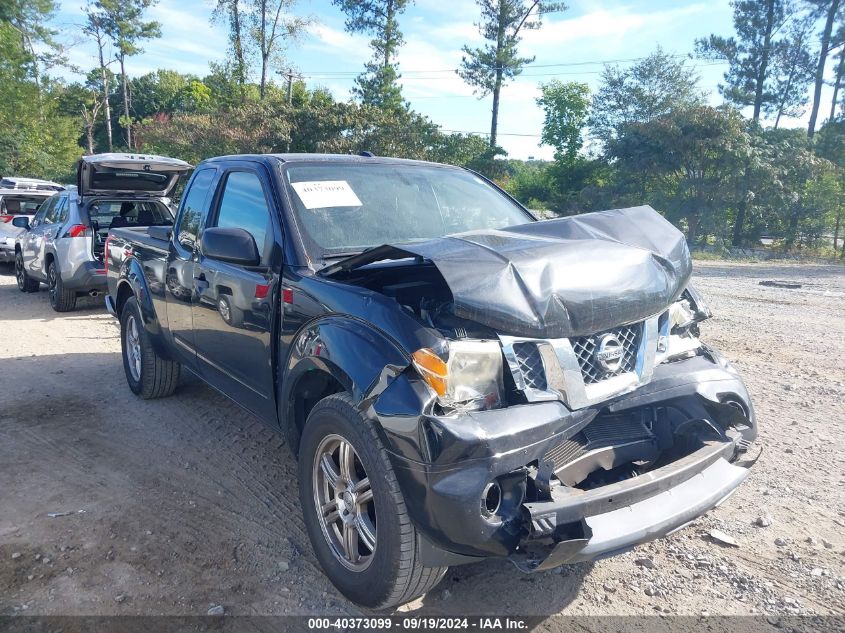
328 158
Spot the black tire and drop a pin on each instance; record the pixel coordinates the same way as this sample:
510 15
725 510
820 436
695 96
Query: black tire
61 299
394 574
156 377
25 282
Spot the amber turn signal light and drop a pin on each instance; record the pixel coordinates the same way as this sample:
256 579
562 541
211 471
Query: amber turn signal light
432 369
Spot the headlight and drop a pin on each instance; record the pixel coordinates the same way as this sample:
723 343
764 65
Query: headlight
677 339
469 378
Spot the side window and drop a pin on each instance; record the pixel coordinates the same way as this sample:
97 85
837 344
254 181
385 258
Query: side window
244 206
53 213
61 210
44 211
193 207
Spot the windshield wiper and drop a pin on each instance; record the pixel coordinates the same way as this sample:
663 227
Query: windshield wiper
328 256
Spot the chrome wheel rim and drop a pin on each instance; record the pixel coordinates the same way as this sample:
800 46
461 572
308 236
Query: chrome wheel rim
51 282
343 499
223 307
133 348
19 273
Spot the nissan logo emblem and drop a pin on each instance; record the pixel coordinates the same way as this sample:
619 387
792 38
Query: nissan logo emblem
609 353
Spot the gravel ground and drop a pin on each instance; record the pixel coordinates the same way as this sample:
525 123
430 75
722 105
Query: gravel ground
113 505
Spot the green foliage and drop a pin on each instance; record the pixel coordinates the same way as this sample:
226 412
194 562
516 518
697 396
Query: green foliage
565 106
36 139
770 66
169 92
125 24
653 87
654 140
489 67
255 127
682 162
377 86
272 24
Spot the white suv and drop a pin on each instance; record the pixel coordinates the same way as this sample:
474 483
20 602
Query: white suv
20 197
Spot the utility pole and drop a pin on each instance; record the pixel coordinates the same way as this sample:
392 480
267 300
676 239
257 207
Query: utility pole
289 75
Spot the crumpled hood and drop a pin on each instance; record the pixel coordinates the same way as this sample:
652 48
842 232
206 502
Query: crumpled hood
556 278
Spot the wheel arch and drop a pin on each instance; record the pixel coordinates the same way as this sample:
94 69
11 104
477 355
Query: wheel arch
332 355
132 282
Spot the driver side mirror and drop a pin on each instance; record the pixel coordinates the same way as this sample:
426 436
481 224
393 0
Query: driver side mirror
22 222
234 246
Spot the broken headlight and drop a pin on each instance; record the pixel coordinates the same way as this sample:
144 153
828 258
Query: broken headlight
469 378
678 332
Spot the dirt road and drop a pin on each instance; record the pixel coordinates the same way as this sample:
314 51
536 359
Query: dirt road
177 505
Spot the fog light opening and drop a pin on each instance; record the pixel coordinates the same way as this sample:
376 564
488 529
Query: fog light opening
491 500
736 404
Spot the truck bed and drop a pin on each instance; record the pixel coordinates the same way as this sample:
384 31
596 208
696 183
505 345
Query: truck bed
148 236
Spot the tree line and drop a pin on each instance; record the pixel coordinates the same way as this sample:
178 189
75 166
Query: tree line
727 175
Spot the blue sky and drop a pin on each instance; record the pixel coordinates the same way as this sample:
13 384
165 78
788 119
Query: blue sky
571 46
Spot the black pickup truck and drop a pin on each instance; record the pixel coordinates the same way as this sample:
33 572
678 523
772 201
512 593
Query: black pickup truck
458 380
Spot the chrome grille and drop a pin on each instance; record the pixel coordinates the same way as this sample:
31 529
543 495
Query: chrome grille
531 365
585 351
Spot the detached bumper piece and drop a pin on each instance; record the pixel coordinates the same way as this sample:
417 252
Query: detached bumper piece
581 525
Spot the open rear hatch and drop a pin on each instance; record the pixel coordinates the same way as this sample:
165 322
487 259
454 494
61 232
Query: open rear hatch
140 175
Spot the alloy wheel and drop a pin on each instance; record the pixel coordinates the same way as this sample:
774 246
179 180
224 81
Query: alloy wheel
20 275
133 348
51 283
225 312
344 502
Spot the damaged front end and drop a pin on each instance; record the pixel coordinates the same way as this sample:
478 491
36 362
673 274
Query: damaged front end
569 410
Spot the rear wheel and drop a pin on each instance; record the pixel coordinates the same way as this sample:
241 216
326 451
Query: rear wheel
354 511
25 284
148 375
61 299
231 314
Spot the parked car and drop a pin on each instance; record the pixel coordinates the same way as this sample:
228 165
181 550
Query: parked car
19 197
63 244
458 380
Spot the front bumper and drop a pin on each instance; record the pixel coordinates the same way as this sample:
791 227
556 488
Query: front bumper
689 490
444 465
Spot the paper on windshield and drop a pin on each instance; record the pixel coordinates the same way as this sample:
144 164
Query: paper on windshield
320 194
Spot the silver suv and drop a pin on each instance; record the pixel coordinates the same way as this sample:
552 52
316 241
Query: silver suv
19 197
63 244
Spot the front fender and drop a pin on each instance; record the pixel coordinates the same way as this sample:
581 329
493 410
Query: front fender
360 357
132 274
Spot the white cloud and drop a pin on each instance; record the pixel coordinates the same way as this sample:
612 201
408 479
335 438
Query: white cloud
606 28
352 47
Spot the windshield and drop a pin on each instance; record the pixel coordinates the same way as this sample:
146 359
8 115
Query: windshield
347 208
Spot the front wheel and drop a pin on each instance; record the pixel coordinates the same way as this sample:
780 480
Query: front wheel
25 284
148 374
355 513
